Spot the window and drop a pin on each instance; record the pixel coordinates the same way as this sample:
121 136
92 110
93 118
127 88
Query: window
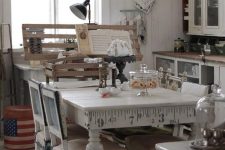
41 12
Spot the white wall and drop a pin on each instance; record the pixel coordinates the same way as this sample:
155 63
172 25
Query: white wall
5 17
164 24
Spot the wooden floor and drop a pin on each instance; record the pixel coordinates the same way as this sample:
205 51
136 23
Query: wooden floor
1 145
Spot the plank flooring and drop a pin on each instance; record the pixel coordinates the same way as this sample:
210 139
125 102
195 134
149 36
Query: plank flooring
1 145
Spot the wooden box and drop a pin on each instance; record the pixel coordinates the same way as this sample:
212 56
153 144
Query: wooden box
42 41
73 67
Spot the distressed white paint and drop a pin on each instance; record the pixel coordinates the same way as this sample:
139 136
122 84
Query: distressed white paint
127 110
184 145
164 24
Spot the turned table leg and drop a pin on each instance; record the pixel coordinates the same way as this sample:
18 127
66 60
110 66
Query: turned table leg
94 141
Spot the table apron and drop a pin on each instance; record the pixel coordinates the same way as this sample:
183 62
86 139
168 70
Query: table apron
133 117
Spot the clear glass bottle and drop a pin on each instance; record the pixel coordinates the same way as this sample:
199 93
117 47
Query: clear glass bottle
210 120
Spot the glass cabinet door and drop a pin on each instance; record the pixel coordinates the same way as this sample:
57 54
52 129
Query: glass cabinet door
212 16
197 12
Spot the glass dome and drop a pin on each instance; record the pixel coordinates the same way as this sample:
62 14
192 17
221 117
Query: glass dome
210 120
143 79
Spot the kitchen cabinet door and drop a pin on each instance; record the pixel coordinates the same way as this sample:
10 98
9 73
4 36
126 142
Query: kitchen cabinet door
195 14
206 17
165 63
213 15
191 68
222 78
219 77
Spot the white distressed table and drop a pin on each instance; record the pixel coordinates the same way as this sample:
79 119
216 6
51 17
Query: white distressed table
94 113
24 72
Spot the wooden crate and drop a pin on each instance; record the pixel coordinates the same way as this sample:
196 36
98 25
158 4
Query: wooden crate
38 31
33 31
73 67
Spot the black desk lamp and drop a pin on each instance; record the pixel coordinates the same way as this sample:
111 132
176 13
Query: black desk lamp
80 10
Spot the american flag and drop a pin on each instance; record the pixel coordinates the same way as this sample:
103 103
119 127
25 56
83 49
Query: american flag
18 134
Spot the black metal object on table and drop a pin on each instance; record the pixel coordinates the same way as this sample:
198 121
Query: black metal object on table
121 64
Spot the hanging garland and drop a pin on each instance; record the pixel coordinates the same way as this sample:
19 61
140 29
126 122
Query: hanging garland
145 5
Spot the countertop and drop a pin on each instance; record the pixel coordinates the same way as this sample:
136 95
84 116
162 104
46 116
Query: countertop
28 67
193 56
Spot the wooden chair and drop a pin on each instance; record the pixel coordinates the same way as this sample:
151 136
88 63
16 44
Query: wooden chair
188 88
147 142
41 126
193 89
55 114
42 140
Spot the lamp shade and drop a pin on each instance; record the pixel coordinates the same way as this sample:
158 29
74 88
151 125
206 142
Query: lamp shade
79 10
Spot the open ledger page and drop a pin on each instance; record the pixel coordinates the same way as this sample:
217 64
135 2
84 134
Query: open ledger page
100 40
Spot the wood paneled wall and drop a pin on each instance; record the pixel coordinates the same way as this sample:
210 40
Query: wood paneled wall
164 24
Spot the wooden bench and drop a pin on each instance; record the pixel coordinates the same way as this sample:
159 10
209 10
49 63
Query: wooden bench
38 39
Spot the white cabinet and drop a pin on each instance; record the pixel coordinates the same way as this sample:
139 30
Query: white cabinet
197 72
222 78
179 66
211 72
165 63
192 70
195 17
206 17
219 78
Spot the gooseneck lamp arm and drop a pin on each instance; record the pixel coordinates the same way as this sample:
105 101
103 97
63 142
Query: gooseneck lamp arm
89 13
87 2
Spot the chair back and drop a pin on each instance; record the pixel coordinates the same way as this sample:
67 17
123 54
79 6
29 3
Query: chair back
40 121
37 104
55 115
194 89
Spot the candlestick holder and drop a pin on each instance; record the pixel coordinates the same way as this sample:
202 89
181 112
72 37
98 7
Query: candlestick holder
120 65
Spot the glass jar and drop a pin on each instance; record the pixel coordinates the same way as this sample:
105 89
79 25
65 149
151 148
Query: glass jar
143 80
179 45
210 120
